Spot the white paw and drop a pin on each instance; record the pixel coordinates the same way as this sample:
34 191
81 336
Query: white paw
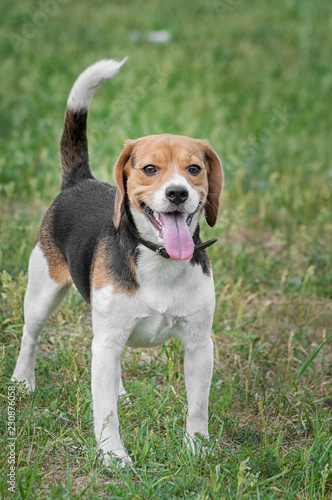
197 444
119 458
28 382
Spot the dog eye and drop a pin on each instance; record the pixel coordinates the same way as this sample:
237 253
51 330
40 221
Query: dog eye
150 170
194 169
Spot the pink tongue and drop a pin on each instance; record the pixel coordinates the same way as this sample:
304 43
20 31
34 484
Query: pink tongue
178 241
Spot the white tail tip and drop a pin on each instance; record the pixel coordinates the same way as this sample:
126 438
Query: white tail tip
88 82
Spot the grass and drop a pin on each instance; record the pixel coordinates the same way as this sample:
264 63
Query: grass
255 79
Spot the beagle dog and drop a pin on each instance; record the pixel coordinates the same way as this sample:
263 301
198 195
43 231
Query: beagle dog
134 253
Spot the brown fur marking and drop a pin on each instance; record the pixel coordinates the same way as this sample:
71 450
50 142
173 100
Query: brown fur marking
103 273
169 153
57 264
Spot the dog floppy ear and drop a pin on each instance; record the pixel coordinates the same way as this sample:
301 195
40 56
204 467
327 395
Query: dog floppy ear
215 180
120 194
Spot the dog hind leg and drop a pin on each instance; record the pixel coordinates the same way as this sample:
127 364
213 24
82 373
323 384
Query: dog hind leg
43 296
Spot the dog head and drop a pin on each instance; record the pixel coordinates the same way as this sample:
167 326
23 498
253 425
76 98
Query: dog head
168 180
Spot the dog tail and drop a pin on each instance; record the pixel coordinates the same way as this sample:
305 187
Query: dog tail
74 145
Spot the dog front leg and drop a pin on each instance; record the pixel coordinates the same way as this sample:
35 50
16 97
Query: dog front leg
106 375
198 365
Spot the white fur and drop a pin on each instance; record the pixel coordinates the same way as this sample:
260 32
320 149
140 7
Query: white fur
164 306
42 297
160 203
88 82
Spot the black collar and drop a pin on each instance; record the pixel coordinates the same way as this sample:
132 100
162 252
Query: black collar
159 249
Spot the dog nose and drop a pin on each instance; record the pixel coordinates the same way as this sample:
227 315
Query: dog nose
177 194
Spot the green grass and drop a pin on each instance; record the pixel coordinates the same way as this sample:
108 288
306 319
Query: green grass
255 79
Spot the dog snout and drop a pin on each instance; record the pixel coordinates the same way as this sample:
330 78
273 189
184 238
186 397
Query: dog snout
177 194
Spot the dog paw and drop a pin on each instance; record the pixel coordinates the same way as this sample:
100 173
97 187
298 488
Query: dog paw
28 383
119 458
197 444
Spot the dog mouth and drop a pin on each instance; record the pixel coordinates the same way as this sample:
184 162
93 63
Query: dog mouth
173 228
157 219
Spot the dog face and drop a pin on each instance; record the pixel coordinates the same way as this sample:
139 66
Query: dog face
168 180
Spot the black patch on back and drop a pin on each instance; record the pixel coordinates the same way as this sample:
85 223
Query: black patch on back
82 215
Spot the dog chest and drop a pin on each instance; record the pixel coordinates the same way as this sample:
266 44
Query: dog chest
154 330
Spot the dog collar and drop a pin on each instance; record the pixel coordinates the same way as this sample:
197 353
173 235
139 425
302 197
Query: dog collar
159 249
